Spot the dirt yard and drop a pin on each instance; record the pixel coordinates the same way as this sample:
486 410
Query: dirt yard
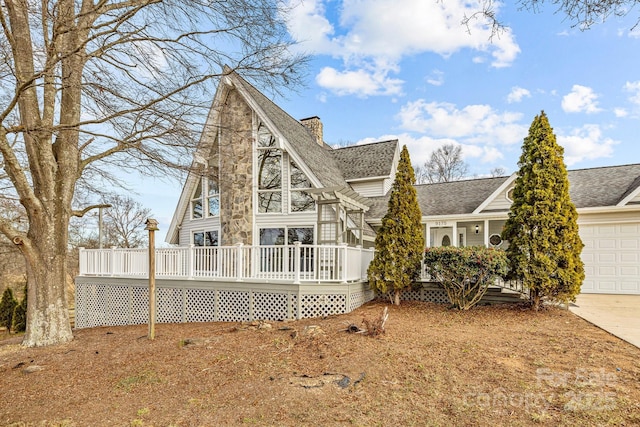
488 367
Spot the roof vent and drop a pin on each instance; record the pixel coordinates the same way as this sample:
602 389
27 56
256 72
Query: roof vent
314 125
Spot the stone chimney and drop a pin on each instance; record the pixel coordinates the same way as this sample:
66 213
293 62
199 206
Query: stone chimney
314 125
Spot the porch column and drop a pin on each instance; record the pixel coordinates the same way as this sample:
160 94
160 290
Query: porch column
427 237
486 233
454 233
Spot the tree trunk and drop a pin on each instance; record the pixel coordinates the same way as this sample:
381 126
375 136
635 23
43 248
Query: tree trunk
396 297
47 309
534 296
45 254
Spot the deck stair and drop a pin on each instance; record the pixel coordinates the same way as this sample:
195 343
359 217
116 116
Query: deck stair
500 295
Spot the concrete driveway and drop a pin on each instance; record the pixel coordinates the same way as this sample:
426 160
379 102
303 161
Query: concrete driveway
616 314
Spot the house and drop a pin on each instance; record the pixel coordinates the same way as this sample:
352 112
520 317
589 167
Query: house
272 223
607 199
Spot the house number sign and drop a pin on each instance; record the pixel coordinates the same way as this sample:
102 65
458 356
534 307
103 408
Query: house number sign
440 223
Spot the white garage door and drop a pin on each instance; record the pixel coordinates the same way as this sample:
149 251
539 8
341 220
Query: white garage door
611 257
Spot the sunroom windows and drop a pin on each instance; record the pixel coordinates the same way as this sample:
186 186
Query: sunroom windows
206 199
269 173
275 174
301 200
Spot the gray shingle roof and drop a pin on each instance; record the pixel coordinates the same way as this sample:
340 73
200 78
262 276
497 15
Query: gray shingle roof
605 186
368 160
446 198
595 187
316 157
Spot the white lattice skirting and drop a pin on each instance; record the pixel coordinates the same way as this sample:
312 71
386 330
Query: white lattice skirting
105 301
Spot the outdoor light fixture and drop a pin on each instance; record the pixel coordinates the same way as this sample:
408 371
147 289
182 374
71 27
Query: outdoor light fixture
477 228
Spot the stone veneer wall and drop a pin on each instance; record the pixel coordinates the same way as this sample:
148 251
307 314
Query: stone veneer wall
236 162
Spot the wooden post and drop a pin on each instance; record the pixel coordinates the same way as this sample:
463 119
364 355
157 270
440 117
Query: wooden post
152 226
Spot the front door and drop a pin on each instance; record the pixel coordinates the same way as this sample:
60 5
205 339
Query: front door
441 237
444 237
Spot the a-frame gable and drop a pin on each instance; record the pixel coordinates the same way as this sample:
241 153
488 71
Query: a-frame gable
208 139
632 195
500 190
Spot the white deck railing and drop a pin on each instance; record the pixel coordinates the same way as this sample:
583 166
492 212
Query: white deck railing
296 263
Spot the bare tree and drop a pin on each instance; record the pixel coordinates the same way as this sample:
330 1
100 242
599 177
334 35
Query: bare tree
445 165
582 14
123 225
88 87
497 171
124 222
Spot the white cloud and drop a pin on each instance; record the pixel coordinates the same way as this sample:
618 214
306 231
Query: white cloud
360 82
377 34
436 78
473 124
620 112
421 147
517 93
634 89
585 143
580 99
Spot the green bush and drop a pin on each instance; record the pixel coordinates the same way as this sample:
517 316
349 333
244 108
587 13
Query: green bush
19 323
7 305
465 273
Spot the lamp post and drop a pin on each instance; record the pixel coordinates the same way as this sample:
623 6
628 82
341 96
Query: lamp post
152 226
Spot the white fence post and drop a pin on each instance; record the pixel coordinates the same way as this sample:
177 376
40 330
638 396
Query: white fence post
343 253
82 262
112 263
190 262
239 262
296 263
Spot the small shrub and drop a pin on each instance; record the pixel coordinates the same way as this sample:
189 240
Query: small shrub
465 273
7 305
19 321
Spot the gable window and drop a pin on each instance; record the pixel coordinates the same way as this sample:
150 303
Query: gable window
301 200
269 173
206 194
509 194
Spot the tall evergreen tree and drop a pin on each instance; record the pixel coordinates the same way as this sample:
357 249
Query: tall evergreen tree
542 229
399 243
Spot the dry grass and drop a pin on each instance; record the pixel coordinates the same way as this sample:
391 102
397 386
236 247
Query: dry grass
433 366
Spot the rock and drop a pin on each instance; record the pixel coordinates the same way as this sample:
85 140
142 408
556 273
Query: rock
264 325
312 330
31 369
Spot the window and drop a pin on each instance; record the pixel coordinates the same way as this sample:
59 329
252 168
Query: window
205 238
196 202
206 194
301 201
205 259
509 194
213 198
269 173
495 240
272 260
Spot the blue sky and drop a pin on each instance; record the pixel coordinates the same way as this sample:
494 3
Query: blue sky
409 70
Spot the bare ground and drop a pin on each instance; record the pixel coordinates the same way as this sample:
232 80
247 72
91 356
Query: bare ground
434 366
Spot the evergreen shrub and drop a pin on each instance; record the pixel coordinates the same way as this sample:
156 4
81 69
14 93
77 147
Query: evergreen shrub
465 273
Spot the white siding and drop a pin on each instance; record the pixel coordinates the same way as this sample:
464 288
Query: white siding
189 226
369 188
500 203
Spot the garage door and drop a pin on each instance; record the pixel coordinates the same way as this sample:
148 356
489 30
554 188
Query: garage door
611 257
